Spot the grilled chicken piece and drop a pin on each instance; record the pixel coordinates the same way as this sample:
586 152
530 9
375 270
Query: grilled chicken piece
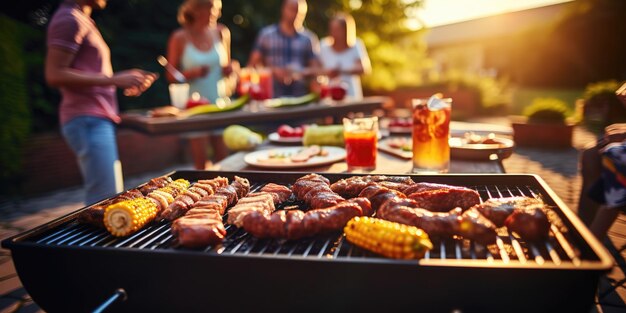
442 198
296 224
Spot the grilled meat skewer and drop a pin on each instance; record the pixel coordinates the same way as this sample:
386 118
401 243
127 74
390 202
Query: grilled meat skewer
202 224
296 224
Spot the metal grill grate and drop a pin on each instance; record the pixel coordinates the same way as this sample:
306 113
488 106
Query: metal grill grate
558 249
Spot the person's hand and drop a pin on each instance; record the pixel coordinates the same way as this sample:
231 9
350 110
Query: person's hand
146 82
129 78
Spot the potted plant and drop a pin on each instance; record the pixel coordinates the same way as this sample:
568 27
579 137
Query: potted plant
602 106
544 124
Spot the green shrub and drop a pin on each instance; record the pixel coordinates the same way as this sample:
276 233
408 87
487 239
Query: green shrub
547 110
602 107
15 115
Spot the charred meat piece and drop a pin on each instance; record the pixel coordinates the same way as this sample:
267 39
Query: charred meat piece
394 206
498 209
442 198
94 215
202 225
279 193
530 223
190 197
264 201
199 230
352 186
154 184
315 191
258 201
296 224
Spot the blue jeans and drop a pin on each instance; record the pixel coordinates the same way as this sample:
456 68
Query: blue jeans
93 141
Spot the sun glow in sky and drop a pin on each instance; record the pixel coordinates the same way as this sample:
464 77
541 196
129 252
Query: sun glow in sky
440 12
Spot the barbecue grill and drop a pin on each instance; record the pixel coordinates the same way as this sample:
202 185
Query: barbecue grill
66 266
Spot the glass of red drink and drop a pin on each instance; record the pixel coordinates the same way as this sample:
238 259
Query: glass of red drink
361 140
265 83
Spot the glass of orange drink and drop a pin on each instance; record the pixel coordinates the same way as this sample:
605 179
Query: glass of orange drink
431 132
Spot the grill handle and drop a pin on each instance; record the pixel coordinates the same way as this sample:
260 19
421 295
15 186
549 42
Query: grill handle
118 296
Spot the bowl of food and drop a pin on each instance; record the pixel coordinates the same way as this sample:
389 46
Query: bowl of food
477 147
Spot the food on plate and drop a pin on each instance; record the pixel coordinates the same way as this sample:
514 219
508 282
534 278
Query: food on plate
185 201
389 239
289 132
442 198
127 217
472 138
301 156
166 111
237 137
325 135
202 225
402 143
400 122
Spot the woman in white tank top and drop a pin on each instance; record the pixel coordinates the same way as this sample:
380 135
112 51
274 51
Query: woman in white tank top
201 49
343 55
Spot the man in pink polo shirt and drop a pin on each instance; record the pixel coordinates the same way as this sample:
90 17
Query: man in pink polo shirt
78 62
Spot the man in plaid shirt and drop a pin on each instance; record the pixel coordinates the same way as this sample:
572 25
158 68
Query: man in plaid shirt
289 50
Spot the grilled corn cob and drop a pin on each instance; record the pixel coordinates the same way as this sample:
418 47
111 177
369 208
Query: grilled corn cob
390 239
126 217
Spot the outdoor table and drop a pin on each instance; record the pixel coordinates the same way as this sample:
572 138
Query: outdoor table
385 164
251 114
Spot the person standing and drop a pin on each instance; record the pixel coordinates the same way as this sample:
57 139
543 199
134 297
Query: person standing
78 62
201 49
343 55
288 49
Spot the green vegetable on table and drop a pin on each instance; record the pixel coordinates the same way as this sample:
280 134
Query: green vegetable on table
291 101
328 135
223 105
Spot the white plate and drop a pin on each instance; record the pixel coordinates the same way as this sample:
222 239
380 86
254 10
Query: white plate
335 154
275 137
383 145
400 129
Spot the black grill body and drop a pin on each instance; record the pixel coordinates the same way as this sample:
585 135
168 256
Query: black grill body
69 267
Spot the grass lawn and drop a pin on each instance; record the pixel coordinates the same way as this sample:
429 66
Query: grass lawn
523 96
